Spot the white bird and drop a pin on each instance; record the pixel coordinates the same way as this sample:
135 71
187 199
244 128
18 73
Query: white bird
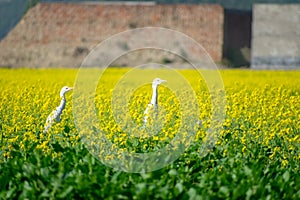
154 102
55 114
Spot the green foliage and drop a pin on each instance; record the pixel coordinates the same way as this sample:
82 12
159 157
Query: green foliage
257 156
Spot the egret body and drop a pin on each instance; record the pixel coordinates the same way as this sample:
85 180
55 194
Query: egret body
153 103
54 116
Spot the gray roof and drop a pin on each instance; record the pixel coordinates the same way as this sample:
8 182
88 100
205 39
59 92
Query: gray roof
242 5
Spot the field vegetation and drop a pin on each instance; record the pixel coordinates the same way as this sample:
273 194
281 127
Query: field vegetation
257 154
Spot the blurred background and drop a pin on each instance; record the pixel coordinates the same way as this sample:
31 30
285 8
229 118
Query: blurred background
252 34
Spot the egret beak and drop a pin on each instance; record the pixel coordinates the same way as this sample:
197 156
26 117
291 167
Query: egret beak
163 81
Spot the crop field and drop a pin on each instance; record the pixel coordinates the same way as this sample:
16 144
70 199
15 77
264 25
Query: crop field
256 154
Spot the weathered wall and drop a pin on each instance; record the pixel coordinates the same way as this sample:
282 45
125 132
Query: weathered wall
61 34
276 37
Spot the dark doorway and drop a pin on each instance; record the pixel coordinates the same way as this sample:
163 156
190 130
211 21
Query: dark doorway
237 38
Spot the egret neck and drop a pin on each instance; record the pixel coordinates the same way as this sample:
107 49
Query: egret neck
61 106
154 95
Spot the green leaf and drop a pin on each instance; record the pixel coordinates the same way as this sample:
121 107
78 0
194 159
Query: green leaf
57 147
247 171
173 172
66 192
192 193
179 187
286 176
224 190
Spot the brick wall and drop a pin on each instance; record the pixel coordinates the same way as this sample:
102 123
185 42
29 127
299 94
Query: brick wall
61 34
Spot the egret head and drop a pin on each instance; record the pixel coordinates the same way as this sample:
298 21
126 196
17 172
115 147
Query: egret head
64 90
157 81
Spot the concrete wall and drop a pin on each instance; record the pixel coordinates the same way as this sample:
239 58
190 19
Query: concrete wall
276 37
62 34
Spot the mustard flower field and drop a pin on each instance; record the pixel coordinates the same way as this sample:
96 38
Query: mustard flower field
255 156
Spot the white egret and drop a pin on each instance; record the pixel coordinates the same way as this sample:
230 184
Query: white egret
55 114
154 103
